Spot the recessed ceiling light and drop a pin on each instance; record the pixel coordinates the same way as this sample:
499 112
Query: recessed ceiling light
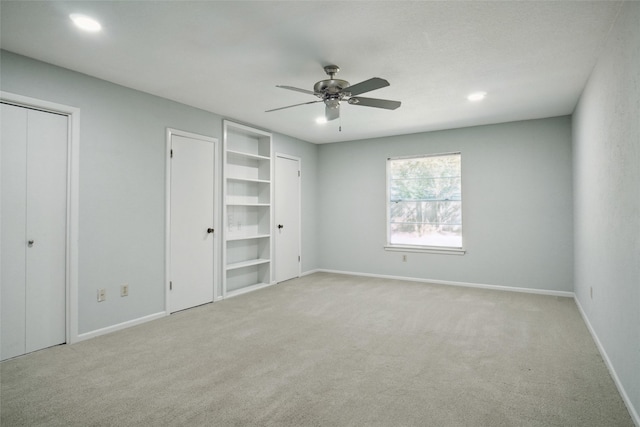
321 120
477 96
86 23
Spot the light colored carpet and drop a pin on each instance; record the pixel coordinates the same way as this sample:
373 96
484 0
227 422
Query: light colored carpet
329 350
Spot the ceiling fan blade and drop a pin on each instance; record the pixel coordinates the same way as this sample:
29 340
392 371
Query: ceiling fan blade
373 102
366 86
294 105
331 113
296 89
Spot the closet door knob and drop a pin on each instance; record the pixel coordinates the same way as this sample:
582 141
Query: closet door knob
280 226
209 230
30 243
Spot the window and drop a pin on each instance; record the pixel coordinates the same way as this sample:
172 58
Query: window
424 203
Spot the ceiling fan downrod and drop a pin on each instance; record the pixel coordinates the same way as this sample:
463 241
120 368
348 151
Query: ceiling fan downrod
331 70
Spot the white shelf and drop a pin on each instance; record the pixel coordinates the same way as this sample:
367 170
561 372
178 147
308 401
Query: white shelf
247 209
246 289
248 204
247 263
253 236
233 178
249 155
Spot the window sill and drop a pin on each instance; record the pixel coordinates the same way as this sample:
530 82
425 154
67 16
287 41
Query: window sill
426 249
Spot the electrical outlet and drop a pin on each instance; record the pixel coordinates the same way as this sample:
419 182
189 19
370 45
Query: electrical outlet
404 258
102 295
124 290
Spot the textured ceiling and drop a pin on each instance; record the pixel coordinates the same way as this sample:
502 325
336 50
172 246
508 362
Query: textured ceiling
533 58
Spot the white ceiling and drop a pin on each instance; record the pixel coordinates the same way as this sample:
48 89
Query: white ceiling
533 58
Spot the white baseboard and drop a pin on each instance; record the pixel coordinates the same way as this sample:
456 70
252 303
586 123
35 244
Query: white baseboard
306 273
120 326
451 283
632 411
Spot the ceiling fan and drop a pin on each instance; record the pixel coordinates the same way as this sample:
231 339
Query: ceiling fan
332 91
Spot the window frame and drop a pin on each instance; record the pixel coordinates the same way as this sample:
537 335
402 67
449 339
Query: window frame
451 250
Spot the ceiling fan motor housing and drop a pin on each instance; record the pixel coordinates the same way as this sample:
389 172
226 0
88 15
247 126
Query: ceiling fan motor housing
330 90
330 87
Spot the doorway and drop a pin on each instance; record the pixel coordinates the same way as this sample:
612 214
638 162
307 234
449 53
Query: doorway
190 220
287 217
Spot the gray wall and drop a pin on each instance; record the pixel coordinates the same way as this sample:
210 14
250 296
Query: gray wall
122 183
606 145
517 205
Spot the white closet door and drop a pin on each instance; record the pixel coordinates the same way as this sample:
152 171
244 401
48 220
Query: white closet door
191 234
34 203
46 227
14 221
287 231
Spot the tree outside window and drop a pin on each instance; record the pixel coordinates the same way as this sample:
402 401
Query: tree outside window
425 201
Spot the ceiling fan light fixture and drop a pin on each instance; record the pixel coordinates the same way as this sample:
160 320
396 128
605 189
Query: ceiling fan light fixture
332 103
85 22
477 96
321 120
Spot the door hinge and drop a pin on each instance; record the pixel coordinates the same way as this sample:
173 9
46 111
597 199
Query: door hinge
170 286
298 174
171 154
298 258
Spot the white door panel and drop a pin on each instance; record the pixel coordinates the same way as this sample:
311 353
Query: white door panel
14 222
46 227
287 216
34 203
191 210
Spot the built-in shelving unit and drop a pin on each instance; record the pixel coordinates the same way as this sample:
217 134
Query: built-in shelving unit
247 210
